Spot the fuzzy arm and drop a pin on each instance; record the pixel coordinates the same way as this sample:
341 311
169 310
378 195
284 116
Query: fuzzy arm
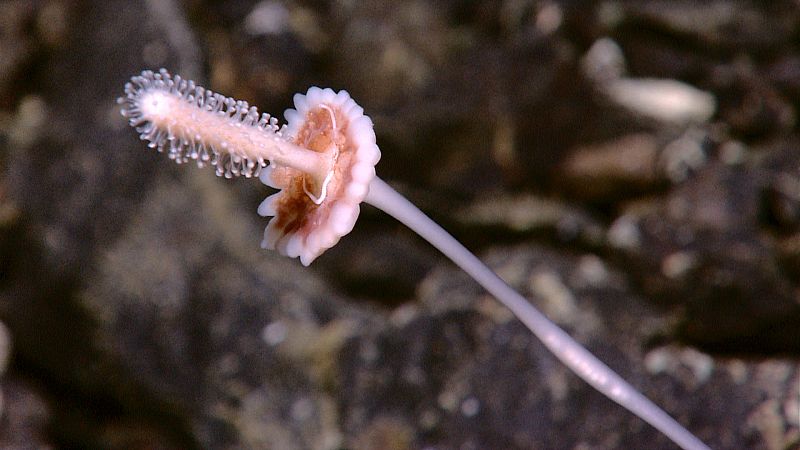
570 352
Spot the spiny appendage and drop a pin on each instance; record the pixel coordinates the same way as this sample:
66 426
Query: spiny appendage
182 144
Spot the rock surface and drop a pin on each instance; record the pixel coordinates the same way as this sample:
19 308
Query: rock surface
144 315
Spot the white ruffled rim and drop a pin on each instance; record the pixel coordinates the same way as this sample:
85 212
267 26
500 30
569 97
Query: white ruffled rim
325 222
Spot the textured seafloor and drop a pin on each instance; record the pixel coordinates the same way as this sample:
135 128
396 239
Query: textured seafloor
632 167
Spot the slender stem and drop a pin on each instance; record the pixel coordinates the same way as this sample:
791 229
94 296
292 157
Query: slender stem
566 349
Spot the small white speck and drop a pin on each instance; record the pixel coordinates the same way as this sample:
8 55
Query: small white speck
657 361
448 401
683 155
274 333
560 303
549 18
268 17
702 365
677 264
302 409
470 407
624 233
604 61
403 315
592 270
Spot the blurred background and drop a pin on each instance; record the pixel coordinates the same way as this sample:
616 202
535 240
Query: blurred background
632 167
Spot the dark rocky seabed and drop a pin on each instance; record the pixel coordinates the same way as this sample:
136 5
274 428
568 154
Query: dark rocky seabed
632 167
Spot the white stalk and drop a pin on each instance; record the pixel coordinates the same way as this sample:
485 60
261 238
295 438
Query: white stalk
185 121
197 124
566 349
